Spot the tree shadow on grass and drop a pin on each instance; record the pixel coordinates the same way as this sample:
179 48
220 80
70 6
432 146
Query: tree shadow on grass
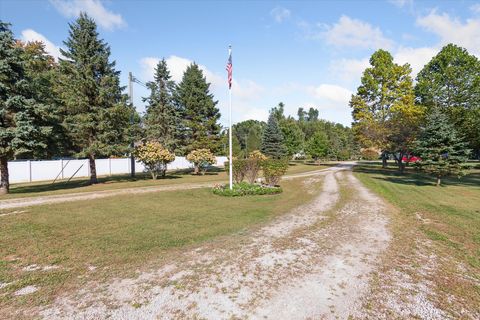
413 177
48 186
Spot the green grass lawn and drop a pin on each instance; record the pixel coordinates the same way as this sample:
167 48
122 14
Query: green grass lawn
448 215
119 234
20 190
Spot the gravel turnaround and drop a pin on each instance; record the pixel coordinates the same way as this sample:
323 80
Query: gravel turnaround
312 263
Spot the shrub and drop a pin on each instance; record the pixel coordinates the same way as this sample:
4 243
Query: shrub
254 165
273 170
155 157
239 167
369 154
244 189
201 159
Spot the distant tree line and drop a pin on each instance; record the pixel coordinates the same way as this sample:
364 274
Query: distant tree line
288 137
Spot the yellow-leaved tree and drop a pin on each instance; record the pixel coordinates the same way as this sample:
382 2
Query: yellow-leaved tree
155 157
201 159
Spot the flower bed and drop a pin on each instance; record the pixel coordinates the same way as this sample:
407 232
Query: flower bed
245 189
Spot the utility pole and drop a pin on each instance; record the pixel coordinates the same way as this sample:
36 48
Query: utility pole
130 97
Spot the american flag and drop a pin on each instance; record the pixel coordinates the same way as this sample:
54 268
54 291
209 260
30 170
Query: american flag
229 67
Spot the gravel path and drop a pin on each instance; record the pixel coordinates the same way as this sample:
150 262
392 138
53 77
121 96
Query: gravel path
313 263
41 200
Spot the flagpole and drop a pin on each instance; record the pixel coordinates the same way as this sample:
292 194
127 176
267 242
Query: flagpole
230 129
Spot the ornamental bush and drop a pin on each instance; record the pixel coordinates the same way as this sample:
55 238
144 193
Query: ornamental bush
245 189
155 157
239 167
254 165
369 154
201 159
273 170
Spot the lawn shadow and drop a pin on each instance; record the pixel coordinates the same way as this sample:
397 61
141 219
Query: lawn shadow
414 177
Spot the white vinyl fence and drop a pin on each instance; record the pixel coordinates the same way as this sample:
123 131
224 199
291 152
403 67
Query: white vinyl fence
32 170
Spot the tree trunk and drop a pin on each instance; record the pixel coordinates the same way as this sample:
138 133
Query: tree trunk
384 160
4 184
401 165
196 169
438 181
93 169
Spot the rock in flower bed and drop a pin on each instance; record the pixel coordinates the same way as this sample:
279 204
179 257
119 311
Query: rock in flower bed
245 189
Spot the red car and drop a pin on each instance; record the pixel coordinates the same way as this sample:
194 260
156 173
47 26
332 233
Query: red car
411 159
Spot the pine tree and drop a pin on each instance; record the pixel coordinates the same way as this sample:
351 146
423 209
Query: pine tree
272 140
97 117
441 149
161 116
21 132
199 127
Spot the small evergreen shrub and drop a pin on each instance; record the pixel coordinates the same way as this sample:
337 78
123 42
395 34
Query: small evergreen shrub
245 189
273 170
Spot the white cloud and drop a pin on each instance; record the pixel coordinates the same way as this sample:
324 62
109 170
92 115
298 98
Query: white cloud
450 29
30 35
416 57
401 3
348 32
331 93
280 14
94 8
349 69
177 66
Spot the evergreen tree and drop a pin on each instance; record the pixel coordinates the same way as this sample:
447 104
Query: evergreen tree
161 116
451 82
97 117
22 131
441 149
42 72
198 111
272 140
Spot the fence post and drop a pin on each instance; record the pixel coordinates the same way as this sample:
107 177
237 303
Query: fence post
61 167
29 170
110 165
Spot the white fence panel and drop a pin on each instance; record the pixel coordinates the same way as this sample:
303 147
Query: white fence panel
45 170
19 171
71 166
25 171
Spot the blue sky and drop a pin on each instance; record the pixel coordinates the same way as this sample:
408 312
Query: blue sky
305 54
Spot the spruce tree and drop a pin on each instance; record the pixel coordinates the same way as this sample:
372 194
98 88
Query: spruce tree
161 116
21 132
97 117
272 140
42 72
441 150
199 113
